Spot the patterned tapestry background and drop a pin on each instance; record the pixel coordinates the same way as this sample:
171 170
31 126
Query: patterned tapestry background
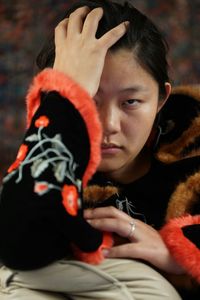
24 26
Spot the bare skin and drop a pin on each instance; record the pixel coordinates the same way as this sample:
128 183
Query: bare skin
82 57
145 242
78 53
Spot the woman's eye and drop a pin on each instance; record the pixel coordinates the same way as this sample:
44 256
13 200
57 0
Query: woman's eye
131 102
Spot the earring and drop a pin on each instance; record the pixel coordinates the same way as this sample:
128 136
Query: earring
154 137
157 139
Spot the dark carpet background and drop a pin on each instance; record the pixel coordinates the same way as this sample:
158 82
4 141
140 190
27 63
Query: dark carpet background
24 25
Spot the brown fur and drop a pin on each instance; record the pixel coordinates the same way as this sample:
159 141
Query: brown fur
188 90
94 194
172 152
184 197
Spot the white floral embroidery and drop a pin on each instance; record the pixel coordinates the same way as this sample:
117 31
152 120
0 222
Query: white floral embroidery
125 205
38 167
59 171
57 156
8 176
32 138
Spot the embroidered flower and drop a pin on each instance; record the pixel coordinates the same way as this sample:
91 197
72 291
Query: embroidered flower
14 166
42 121
20 157
70 199
22 152
41 187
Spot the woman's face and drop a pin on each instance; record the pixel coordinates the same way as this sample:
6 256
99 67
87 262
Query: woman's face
127 102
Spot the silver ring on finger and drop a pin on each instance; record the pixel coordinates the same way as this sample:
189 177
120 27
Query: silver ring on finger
132 229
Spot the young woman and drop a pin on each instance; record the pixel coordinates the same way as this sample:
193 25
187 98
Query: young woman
99 106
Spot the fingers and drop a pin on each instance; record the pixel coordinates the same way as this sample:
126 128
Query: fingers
92 21
83 21
106 212
76 20
124 251
112 36
61 30
158 255
78 52
112 220
121 227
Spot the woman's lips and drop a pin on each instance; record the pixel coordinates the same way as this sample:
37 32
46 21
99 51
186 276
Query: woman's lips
109 149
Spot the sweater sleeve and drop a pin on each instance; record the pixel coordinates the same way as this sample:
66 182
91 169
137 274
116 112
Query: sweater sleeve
182 237
41 208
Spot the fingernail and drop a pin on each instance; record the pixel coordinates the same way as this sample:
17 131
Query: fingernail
105 252
126 23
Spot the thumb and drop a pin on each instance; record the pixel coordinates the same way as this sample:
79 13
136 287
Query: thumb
123 251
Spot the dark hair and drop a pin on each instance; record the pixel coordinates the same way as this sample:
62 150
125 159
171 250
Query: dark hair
143 37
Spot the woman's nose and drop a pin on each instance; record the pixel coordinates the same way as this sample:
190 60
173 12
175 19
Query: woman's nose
110 119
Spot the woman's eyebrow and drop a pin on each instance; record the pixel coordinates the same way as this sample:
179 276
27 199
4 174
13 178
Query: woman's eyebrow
128 89
134 88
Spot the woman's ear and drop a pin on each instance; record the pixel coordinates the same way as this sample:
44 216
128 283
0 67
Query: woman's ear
163 100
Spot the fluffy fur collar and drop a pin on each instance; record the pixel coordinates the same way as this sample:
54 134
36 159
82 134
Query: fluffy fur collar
180 123
180 139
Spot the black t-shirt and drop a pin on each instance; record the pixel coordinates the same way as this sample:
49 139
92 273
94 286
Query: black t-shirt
147 197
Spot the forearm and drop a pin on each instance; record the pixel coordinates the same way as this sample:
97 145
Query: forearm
41 203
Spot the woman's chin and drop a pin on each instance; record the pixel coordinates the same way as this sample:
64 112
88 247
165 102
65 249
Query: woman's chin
108 166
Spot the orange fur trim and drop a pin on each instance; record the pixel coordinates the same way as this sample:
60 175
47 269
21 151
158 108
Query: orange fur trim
97 256
184 197
183 250
52 80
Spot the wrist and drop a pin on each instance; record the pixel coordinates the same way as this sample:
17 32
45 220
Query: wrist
80 79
